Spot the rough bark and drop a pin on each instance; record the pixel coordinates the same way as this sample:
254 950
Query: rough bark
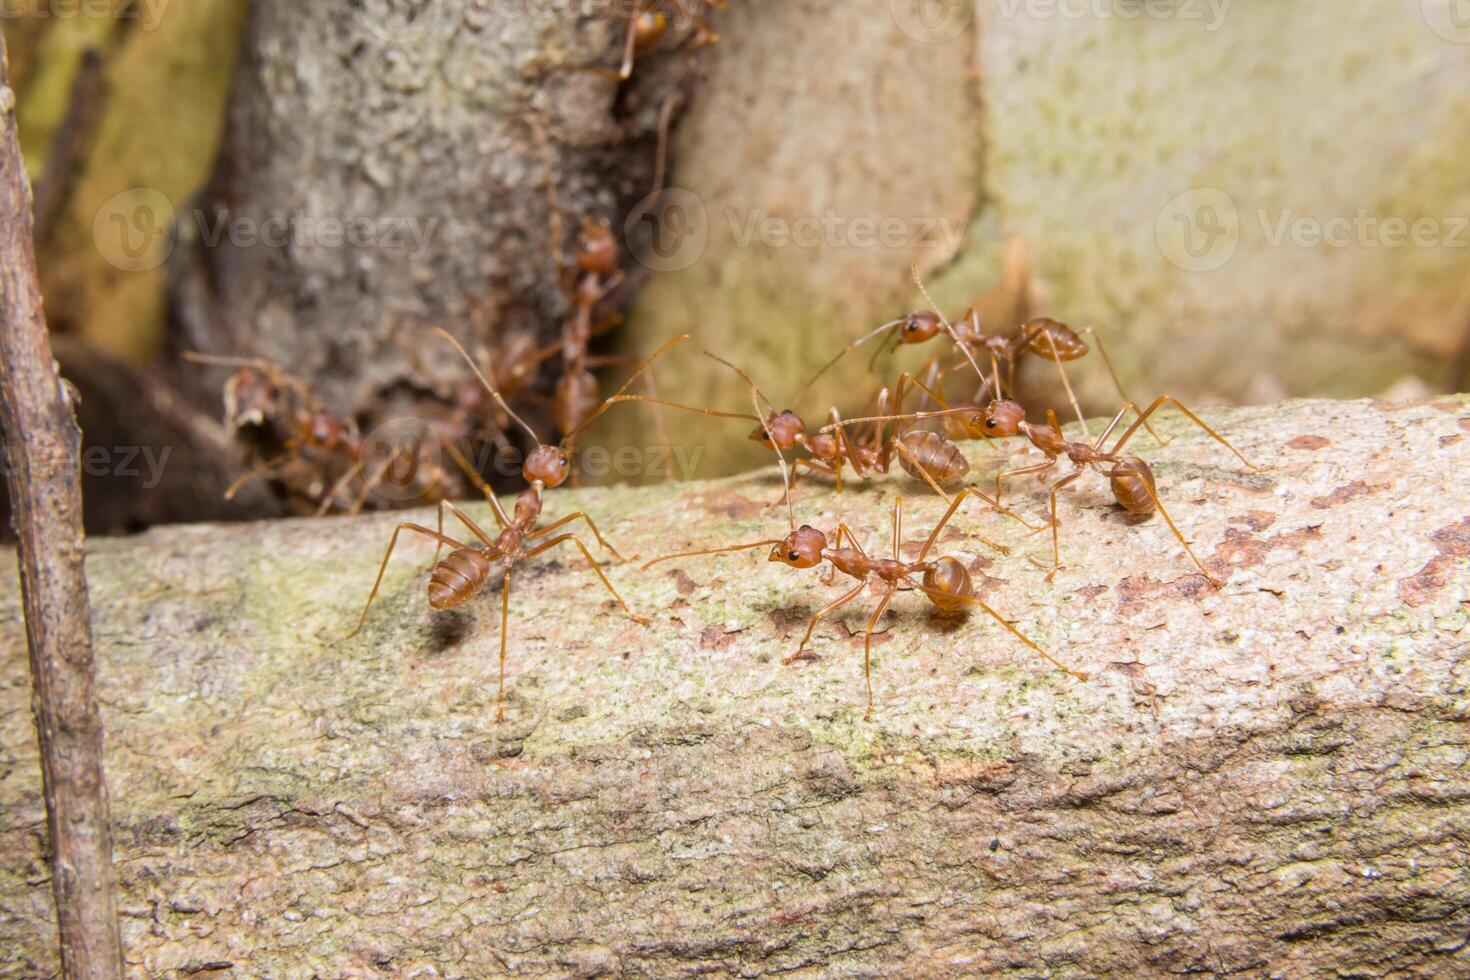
1267 779
419 119
42 464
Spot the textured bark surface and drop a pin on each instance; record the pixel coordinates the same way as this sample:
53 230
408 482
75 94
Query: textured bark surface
417 121
1268 778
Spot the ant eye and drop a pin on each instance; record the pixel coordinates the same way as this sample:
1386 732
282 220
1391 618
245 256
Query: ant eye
794 556
990 423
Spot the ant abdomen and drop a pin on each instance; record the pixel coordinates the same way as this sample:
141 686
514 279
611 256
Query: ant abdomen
939 457
1046 333
458 578
1133 485
945 579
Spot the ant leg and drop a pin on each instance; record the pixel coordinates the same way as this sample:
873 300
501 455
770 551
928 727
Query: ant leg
1067 384
1113 424
370 483
563 522
260 470
1158 403
815 466
972 600
868 650
442 539
1056 554
504 629
464 519
1175 528
592 562
660 426
1022 471
852 539
330 496
897 525
960 498
1113 373
826 610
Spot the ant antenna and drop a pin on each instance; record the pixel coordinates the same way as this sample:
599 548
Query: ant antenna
763 415
890 325
488 386
906 417
607 403
948 328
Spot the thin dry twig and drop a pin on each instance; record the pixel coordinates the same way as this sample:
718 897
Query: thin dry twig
42 447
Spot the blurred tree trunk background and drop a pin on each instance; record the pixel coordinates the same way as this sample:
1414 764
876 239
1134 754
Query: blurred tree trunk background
1247 200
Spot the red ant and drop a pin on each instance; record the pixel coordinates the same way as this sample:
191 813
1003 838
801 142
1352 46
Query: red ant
463 573
260 393
1130 478
648 25
1044 337
944 580
925 455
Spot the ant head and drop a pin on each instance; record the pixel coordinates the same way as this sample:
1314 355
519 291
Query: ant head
323 430
648 28
787 427
597 247
918 327
801 548
548 465
1003 418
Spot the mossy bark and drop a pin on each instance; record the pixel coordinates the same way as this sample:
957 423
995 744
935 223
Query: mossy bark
1270 778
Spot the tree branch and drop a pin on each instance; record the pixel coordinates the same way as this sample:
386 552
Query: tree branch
42 444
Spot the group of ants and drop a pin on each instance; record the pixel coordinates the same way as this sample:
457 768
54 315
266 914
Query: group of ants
260 392
281 410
